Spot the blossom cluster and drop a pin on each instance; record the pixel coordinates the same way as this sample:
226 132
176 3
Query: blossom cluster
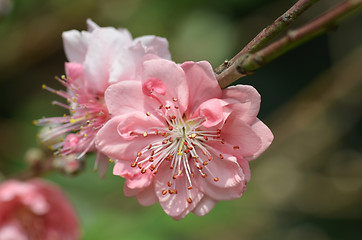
36 210
174 135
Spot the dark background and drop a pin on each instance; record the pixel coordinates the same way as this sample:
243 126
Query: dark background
308 185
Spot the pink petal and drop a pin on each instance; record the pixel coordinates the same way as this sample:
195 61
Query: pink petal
173 78
153 86
130 192
120 99
175 205
205 206
60 209
106 47
155 45
241 139
91 25
264 134
247 97
75 45
212 111
245 168
230 177
101 164
12 231
113 139
202 83
74 71
147 196
134 178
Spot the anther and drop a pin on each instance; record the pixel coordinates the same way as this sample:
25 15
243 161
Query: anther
174 99
169 184
221 156
236 147
189 200
206 138
148 114
170 128
133 164
111 160
192 136
143 170
140 166
205 163
189 188
164 192
139 154
216 179
204 175
145 134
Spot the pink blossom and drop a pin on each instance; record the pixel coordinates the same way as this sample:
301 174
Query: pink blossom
177 138
97 58
35 210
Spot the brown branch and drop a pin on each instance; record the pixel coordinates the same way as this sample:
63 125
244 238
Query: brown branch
37 170
248 63
270 32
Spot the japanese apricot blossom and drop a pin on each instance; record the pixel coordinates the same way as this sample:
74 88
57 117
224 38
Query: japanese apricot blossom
97 58
36 210
180 140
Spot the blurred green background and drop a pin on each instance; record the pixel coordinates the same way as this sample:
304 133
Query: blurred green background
308 185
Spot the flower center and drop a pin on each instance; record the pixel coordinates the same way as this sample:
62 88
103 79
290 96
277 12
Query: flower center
184 144
87 115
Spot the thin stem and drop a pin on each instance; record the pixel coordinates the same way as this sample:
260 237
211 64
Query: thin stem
248 63
270 32
39 169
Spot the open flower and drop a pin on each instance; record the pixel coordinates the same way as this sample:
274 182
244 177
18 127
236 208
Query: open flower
97 59
177 138
35 210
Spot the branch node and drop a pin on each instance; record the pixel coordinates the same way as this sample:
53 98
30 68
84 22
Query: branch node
240 70
287 18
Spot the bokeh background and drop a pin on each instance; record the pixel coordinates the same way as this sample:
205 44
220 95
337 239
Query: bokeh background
308 185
